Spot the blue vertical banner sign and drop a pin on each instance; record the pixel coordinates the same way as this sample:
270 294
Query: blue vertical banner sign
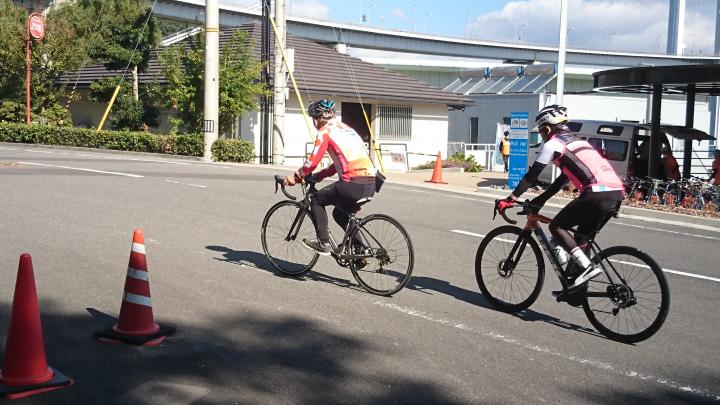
518 147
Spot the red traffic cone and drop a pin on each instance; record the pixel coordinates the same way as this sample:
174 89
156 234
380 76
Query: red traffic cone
25 370
437 172
136 324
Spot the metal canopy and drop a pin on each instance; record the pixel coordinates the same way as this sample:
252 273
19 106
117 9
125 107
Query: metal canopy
689 80
676 79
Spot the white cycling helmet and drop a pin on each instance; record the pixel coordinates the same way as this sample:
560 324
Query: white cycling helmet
551 115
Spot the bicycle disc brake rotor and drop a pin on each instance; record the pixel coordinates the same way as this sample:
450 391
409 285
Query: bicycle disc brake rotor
622 296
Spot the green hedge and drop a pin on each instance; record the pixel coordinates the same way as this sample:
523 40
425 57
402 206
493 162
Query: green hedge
233 150
224 150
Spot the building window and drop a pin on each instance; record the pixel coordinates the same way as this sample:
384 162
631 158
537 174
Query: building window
395 122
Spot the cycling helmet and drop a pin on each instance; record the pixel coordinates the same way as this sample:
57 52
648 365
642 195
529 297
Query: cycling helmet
551 115
322 109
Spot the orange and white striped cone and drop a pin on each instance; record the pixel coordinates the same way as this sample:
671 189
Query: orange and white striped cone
136 324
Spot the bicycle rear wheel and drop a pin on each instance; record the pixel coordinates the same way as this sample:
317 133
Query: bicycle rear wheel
388 258
510 284
282 239
633 306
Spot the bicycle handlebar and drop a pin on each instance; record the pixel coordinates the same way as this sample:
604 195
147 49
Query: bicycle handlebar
279 182
527 209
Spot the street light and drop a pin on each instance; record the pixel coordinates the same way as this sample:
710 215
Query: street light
425 27
414 16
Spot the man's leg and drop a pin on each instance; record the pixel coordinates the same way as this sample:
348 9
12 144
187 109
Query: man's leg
324 197
350 194
581 212
505 162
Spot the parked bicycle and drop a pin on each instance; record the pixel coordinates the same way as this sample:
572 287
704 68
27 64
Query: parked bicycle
627 303
377 248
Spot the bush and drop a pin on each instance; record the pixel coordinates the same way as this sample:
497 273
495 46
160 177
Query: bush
188 145
233 150
459 159
223 150
467 162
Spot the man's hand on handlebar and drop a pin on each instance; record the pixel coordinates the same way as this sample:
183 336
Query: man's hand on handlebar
289 180
508 202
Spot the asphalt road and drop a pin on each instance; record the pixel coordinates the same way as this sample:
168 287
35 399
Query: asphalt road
247 335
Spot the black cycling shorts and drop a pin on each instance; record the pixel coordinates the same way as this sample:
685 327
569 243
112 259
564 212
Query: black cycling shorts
587 211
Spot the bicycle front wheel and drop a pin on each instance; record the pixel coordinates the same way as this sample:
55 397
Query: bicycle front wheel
633 305
282 233
509 269
387 255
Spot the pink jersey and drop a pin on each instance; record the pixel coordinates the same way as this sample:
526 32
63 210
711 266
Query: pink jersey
580 162
346 149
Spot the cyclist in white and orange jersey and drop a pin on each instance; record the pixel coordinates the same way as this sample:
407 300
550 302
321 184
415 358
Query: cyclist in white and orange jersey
601 191
352 165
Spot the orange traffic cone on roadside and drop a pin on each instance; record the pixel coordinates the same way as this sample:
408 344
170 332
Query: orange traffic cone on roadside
136 325
437 172
25 370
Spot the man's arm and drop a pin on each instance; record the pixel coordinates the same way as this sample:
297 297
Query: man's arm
321 145
529 179
556 186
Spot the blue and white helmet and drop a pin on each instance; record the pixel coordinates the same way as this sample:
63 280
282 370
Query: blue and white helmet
322 109
551 115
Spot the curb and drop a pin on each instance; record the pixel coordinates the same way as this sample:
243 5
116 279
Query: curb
108 151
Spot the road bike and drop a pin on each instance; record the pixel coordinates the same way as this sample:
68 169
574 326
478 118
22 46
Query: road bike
376 248
628 302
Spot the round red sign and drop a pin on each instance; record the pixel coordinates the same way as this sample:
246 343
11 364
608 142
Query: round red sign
37 26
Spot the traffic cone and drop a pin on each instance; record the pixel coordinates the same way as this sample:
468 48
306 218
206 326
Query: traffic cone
136 325
437 172
25 370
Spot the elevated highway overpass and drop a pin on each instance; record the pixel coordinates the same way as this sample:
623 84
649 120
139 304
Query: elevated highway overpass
360 36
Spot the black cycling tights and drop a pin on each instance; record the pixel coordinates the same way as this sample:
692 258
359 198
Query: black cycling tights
344 196
587 211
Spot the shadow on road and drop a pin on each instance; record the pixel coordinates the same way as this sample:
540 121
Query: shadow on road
248 358
261 262
425 284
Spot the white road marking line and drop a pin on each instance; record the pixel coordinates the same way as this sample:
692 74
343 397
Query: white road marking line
553 352
666 230
185 184
678 272
682 273
8 148
39 151
84 170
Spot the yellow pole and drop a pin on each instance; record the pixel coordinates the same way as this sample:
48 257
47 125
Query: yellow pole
109 107
372 144
292 78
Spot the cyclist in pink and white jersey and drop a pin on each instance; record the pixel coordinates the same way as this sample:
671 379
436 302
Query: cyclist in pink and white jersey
601 191
352 165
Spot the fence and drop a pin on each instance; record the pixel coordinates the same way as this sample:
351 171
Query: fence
700 163
484 153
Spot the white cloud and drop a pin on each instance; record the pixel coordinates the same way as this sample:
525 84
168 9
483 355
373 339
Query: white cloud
637 25
309 8
397 13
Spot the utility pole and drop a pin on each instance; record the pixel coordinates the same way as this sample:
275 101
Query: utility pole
265 101
560 88
211 113
279 80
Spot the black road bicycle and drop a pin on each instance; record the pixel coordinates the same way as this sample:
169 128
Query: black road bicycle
627 303
377 249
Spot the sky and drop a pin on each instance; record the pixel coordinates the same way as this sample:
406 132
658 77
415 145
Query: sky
623 25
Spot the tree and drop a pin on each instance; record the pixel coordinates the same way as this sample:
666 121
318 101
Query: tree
183 68
61 51
127 113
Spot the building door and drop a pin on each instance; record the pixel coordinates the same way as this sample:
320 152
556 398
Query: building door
352 115
474 130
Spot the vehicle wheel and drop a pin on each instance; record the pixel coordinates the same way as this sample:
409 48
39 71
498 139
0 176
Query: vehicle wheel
283 245
388 257
629 311
516 287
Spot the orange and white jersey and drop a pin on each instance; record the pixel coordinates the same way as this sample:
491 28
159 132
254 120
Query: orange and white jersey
346 149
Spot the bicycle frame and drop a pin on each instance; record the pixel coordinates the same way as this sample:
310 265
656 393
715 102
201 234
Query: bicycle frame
533 226
354 222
